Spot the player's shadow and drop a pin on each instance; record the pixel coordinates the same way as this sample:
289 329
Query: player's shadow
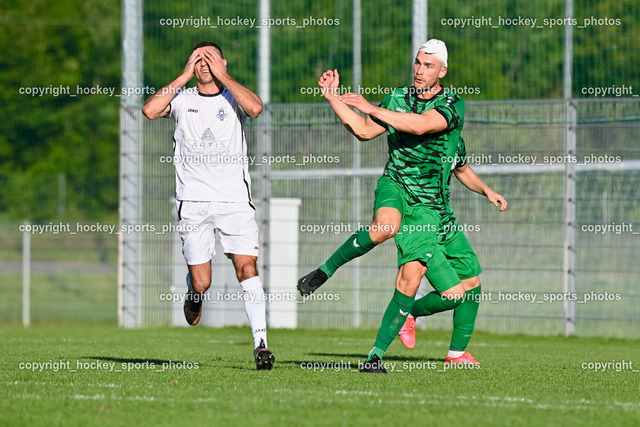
130 360
250 367
296 362
308 362
360 356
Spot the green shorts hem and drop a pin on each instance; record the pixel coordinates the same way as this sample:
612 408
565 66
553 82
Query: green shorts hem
461 256
389 194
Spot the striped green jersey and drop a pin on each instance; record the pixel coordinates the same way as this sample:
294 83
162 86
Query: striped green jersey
448 222
421 163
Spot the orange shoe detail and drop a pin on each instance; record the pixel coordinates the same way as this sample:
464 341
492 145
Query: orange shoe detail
408 332
465 358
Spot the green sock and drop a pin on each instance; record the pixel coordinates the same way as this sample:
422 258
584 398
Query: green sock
356 245
375 351
464 319
392 321
433 303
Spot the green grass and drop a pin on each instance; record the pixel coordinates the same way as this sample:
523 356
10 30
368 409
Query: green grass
524 380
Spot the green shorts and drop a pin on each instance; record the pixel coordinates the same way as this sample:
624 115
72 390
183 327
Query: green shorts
455 261
461 256
448 262
417 238
390 194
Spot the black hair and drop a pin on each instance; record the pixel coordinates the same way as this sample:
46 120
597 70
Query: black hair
204 44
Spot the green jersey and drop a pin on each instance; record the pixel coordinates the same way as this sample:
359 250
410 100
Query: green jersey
448 223
421 163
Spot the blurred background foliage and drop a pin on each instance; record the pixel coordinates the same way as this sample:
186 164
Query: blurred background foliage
59 154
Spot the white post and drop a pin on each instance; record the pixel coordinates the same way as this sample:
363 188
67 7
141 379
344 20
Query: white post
26 276
264 138
419 32
130 245
419 27
283 241
569 279
355 181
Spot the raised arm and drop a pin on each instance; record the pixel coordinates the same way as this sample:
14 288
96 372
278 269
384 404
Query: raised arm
158 104
362 128
249 101
417 124
469 179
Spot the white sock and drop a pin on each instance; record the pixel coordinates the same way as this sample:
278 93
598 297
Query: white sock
453 354
255 306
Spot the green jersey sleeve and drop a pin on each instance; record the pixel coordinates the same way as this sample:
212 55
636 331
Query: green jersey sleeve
452 110
461 154
384 104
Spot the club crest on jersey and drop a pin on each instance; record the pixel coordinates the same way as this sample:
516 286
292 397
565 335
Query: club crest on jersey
222 114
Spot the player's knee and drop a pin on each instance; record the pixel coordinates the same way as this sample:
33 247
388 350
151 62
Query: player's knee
379 232
454 293
201 284
408 285
246 271
472 283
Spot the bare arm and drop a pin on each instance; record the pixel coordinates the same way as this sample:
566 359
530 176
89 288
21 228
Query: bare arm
469 179
417 124
362 128
158 104
249 101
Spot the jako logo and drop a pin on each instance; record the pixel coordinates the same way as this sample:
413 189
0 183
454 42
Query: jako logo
192 110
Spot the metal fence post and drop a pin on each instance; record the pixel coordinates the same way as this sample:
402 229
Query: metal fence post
131 150
26 276
264 138
569 285
355 183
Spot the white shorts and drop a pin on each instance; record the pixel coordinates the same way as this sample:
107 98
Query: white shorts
199 222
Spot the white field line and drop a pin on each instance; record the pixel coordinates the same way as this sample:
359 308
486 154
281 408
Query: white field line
43 383
493 401
410 399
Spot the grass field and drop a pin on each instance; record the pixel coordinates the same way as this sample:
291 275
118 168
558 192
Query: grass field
201 376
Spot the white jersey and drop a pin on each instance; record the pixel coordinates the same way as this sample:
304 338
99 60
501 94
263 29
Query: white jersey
210 149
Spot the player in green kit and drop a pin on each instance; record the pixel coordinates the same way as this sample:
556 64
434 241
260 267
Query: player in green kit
423 122
462 259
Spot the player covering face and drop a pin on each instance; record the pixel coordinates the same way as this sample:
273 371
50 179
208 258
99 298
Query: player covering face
212 193
423 124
